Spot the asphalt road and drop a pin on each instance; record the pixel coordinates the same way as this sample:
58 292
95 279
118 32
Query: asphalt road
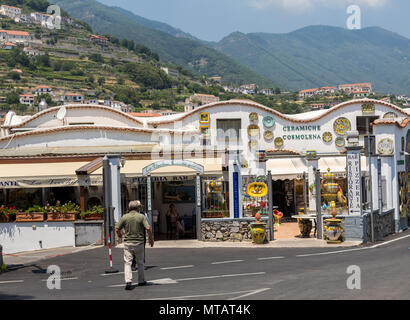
225 274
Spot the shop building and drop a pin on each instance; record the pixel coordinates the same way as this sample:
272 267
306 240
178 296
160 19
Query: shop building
203 161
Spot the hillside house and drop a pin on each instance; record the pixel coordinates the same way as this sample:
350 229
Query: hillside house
360 94
8 46
14 36
27 99
32 52
39 17
307 93
355 87
197 100
43 90
99 40
266 92
72 97
171 72
10 11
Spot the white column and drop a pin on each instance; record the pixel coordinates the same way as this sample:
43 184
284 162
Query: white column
116 188
312 163
387 172
395 194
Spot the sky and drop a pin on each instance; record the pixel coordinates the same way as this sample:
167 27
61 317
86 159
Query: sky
212 20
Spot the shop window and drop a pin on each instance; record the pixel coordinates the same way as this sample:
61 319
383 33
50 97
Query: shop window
250 204
228 130
216 199
361 124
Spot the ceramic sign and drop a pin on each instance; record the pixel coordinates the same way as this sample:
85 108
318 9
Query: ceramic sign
268 121
342 126
390 115
385 146
204 117
368 108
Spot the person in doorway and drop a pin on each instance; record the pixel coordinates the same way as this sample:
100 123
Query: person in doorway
173 215
134 223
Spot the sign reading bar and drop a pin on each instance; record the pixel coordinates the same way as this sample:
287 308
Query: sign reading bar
354 193
168 163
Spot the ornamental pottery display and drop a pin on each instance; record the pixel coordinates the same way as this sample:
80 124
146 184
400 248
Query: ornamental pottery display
333 229
268 121
279 142
368 108
253 130
257 189
268 135
340 142
330 187
253 117
258 232
327 137
385 146
390 115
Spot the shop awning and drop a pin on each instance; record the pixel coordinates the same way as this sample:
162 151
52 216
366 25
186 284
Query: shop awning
133 168
293 168
42 175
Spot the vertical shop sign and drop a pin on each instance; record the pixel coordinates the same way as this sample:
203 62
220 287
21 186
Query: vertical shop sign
235 195
354 182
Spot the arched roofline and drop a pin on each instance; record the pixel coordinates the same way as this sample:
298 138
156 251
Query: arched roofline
75 106
274 112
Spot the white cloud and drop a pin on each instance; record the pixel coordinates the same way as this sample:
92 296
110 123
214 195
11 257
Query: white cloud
301 5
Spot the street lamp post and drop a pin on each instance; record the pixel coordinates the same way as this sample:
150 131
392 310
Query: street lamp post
369 154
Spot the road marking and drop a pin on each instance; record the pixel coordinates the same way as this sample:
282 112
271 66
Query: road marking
171 281
250 293
223 276
11 281
245 293
223 262
62 279
350 250
271 258
180 267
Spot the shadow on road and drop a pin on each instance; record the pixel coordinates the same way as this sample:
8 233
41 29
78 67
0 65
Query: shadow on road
14 297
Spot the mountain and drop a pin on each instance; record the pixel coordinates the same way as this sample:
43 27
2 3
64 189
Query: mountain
318 56
189 53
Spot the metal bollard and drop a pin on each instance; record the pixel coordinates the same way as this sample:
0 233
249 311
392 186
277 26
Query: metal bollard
2 266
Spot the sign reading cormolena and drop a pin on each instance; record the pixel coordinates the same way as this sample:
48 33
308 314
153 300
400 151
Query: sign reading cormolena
296 130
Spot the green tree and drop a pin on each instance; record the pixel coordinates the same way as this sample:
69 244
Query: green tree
101 81
13 97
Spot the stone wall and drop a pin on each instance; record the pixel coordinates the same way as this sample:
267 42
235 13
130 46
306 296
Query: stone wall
383 225
228 229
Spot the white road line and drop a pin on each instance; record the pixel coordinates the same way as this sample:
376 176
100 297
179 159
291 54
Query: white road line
11 281
208 295
62 279
223 262
250 293
350 250
223 276
180 267
271 258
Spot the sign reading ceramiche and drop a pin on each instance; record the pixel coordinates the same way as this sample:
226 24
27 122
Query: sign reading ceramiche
50 182
354 182
168 163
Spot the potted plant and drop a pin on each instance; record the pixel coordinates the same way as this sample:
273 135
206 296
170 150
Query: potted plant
32 214
96 213
66 212
7 214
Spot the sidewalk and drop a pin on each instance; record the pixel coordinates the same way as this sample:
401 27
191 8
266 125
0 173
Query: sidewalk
281 243
24 258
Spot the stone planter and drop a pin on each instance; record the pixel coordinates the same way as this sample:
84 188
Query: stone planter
59 216
305 227
30 217
258 232
94 216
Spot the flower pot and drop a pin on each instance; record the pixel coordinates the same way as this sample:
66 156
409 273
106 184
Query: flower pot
94 216
59 216
258 232
333 230
30 217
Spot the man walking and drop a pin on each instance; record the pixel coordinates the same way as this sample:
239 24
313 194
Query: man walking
134 224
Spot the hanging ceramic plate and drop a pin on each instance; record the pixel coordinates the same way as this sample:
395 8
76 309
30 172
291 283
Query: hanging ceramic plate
253 116
253 130
341 126
268 135
278 142
390 115
268 121
257 189
340 142
252 144
327 136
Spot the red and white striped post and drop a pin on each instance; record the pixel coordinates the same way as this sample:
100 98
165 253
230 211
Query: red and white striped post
110 254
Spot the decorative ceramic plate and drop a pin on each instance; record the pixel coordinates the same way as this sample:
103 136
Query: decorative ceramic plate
257 189
253 144
278 142
385 146
253 130
253 116
327 136
341 126
268 121
390 115
340 142
268 135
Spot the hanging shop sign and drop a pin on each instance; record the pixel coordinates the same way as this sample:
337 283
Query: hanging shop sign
354 189
168 163
140 180
368 108
342 126
385 146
